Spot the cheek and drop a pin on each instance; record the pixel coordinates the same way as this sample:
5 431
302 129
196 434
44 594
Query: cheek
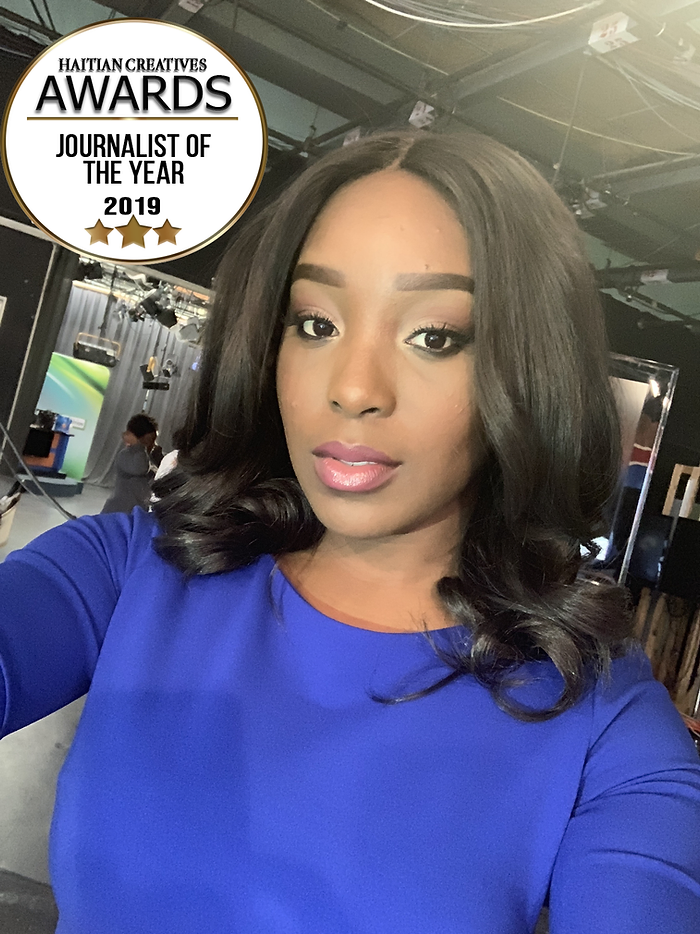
458 441
445 407
293 392
286 380
453 435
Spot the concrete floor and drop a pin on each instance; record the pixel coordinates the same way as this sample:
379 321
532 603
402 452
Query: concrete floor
30 759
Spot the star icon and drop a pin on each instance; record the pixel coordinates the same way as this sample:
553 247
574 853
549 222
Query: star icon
167 233
99 233
133 232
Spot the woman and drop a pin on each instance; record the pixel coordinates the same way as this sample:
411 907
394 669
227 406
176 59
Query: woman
349 678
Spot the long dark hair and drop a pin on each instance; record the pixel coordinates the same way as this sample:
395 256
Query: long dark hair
542 389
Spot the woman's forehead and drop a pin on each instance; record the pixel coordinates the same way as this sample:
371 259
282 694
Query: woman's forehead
383 195
393 218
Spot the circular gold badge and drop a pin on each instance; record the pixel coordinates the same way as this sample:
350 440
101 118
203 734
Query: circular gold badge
134 141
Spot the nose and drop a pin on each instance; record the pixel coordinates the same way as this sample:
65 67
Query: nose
361 381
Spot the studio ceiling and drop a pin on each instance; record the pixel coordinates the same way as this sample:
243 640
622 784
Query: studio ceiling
618 132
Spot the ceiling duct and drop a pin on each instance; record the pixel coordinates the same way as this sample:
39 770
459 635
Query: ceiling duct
626 277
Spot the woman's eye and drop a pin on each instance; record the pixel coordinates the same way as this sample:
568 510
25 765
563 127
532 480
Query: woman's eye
438 341
314 327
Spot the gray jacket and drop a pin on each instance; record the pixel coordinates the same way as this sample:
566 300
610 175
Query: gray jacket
133 482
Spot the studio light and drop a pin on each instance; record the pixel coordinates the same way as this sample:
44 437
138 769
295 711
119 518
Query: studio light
166 317
89 271
150 306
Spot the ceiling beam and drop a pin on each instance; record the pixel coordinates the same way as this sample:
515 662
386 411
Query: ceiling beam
623 277
654 176
263 49
152 9
305 33
617 220
659 181
30 24
329 31
678 9
468 86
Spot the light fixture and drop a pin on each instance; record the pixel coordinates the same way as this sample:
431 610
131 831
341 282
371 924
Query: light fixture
149 370
96 349
89 271
166 317
422 115
150 306
190 332
162 384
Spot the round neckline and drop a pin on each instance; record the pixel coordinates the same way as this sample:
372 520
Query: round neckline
277 571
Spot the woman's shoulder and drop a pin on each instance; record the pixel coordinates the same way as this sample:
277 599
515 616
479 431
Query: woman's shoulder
116 540
626 701
631 707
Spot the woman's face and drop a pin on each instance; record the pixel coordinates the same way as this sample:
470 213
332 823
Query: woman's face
375 370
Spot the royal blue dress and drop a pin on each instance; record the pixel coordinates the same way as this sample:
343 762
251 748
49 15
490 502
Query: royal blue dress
232 772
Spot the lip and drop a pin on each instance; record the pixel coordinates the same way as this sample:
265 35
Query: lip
352 468
353 453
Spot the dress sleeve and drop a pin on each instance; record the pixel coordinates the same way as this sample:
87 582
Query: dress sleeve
57 596
629 861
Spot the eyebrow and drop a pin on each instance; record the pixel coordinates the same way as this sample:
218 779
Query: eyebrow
321 274
406 282
426 282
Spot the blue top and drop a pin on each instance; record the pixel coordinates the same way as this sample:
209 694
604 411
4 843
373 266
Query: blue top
232 773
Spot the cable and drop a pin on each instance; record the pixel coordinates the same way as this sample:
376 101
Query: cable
49 16
663 246
514 23
375 39
25 485
684 69
558 165
612 139
37 13
653 109
631 72
689 321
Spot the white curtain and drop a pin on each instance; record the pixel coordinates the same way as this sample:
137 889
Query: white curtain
125 396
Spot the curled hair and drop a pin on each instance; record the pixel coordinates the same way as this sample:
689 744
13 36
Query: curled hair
542 390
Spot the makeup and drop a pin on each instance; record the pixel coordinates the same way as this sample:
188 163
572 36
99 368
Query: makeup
377 350
352 468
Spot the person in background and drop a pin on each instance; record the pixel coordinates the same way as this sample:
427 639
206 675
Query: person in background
169 461
135 465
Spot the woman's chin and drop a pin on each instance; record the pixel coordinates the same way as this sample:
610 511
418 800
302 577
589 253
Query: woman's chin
358 527
371 526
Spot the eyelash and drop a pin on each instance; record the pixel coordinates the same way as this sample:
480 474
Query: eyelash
298 320
460 339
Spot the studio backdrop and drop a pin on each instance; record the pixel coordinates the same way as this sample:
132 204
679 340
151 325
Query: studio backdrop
125 396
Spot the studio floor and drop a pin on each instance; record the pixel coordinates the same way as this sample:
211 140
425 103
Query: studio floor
31 758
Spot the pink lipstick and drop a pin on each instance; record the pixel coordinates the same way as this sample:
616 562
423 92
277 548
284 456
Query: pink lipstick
352 468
